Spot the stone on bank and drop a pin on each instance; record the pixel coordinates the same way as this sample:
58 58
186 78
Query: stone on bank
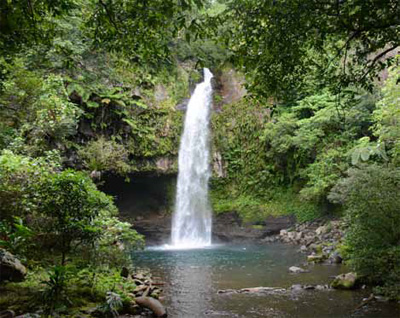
11 268
345 281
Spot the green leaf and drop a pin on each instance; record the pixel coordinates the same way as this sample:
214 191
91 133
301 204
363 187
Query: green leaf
120 102
365 154
355 157
92 104
141 104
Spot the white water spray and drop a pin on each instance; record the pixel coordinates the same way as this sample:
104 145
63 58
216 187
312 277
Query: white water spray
191 223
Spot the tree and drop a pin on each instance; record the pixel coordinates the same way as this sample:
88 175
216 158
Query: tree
143 30
282 44
72 202
25 22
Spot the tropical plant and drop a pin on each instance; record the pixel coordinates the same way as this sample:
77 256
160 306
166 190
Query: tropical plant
112 304
71 203
54 293
16 236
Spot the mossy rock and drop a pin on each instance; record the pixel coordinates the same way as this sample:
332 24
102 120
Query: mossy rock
345 281
318 258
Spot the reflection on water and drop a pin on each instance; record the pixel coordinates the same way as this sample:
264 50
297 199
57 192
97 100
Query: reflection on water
193 278
192 289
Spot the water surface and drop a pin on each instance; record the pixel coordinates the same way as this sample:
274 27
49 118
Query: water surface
193 277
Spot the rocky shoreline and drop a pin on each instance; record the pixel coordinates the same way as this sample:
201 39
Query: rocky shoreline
144 300
320 239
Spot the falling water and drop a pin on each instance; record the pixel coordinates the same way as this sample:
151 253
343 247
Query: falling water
191 224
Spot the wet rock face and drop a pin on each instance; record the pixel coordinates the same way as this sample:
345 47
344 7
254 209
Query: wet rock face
231 86
156 230
146 196
227 227
11 268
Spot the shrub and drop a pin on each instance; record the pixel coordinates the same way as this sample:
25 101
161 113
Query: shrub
20 176
105 155
71 202
116 239
371 197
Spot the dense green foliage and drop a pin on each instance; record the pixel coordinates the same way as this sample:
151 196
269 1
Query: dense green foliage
142 30
306 146
86 87
53 217
282 44
371 197
97 86
87 107
314 119
60 210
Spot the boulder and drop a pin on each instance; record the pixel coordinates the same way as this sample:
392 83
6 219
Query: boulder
296 287
153 304
345 281
297 270
124 272
315 258
321 230
11 268
313 247
258 290
335 258
292 235
321 287
382 299
299 236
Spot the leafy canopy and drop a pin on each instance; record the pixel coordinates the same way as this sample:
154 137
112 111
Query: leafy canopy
282 44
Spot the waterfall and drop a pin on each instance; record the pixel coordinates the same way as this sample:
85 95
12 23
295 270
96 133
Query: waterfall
191 223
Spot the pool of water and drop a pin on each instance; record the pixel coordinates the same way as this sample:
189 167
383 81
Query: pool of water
193 277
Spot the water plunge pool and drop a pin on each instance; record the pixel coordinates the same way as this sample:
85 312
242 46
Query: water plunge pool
193 277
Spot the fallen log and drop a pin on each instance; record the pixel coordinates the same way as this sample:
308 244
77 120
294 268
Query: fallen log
253 290
153 304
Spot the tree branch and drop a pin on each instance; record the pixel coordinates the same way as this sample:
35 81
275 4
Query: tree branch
110 17
376 59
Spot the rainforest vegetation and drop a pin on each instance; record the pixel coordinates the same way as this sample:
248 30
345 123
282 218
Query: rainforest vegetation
90 88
